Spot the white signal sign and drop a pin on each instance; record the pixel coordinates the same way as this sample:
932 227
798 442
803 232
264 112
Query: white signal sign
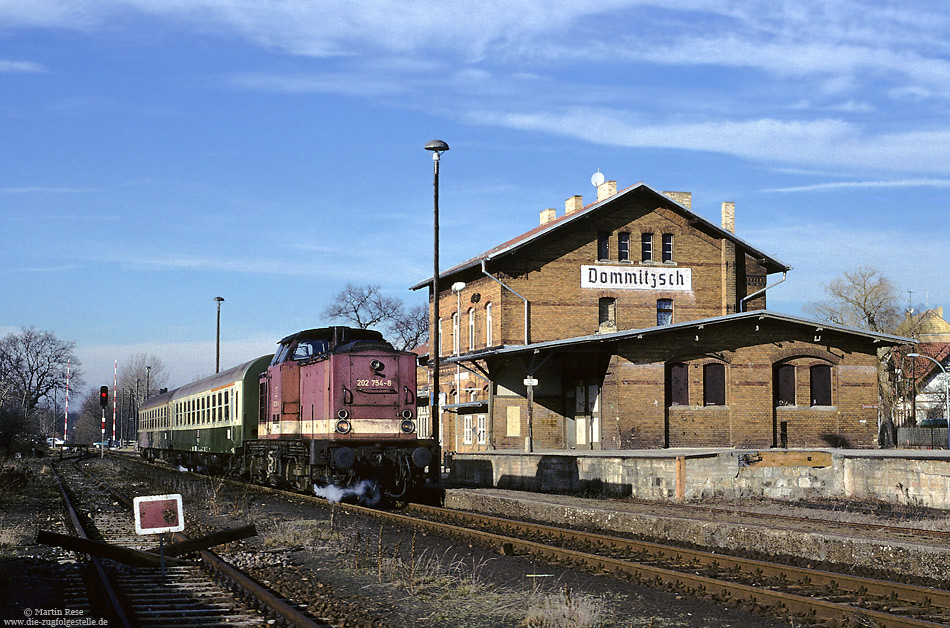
156 514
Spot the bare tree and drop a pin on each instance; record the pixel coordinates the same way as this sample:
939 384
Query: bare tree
863 298
410 329
32 371
141 371
364 306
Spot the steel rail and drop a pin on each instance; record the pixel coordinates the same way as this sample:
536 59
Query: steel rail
104 587
274 603
720 589
853 584
701 585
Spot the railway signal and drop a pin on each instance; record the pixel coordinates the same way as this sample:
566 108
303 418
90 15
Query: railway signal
103 396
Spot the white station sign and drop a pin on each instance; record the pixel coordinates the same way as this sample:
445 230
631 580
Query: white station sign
636 278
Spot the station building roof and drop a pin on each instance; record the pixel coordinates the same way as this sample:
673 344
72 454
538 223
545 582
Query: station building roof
771 264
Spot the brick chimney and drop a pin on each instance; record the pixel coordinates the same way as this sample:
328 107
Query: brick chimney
574 204
729 217
606 190
683 198
548 215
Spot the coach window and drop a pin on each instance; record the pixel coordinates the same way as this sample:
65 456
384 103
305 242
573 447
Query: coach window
714 384
227 405
664 311
677 382
667 251
603 246
646 247
488 323
785 385
623 246
820 385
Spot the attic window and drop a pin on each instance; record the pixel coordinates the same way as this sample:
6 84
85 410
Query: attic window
646 247
667 251
603 246
623 246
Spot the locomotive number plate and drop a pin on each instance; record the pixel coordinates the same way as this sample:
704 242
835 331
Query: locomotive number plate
385 383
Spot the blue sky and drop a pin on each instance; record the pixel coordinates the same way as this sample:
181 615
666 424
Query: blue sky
155 154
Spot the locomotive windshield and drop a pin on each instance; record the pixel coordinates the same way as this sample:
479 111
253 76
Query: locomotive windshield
302 350
307 349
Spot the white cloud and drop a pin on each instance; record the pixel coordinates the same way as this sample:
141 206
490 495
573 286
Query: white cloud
847 185
21 67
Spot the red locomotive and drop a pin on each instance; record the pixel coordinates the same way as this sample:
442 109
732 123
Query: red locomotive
337 406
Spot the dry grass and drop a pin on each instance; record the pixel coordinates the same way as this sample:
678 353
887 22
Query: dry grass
12 535
564 610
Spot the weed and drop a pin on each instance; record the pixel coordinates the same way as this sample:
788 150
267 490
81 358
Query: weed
564 611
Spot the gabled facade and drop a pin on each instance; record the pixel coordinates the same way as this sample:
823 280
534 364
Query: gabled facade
569 304
921 385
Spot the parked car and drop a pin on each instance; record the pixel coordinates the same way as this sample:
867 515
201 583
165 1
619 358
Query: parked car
54 442
933 423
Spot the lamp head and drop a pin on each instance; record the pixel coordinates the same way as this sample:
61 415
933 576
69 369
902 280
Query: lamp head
458 286
437 147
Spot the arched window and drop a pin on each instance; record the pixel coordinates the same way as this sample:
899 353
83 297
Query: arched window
607 314
471 329
489 339
677 383
784 385
714 384
820 385
455 333
664 311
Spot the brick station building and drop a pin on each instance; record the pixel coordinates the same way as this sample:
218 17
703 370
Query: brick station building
634 323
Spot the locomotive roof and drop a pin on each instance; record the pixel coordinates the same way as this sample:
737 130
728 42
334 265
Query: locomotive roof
211 382
346 334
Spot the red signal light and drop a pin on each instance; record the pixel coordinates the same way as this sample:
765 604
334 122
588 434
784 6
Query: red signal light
104 396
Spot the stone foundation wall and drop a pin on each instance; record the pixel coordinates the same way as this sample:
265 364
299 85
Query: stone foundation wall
905 478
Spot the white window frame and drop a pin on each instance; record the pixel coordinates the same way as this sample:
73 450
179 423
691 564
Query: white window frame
471 329
467 431
488 325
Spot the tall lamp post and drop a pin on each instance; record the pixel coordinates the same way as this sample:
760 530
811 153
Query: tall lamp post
436 147
946 397
217 343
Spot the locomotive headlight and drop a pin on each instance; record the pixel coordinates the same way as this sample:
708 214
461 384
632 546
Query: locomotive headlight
376 365
343 414
407 414
407 426
343 426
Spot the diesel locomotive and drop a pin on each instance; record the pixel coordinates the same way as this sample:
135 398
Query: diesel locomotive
333 406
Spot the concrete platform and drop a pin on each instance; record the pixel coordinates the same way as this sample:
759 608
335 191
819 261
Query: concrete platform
907 477
917 559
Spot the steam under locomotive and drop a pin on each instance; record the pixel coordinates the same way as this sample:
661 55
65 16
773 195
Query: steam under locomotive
334 405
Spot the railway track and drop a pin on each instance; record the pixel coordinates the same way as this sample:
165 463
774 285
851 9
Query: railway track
814 596
811 596
206 592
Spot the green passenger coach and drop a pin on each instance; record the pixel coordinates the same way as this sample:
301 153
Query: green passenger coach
205 421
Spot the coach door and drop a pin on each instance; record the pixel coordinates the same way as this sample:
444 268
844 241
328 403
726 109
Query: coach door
586 423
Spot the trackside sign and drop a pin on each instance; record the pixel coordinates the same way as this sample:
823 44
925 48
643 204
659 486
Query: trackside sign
156 514
639 278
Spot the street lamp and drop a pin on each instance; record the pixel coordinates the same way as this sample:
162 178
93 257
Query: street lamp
217 344
436 147
946 397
